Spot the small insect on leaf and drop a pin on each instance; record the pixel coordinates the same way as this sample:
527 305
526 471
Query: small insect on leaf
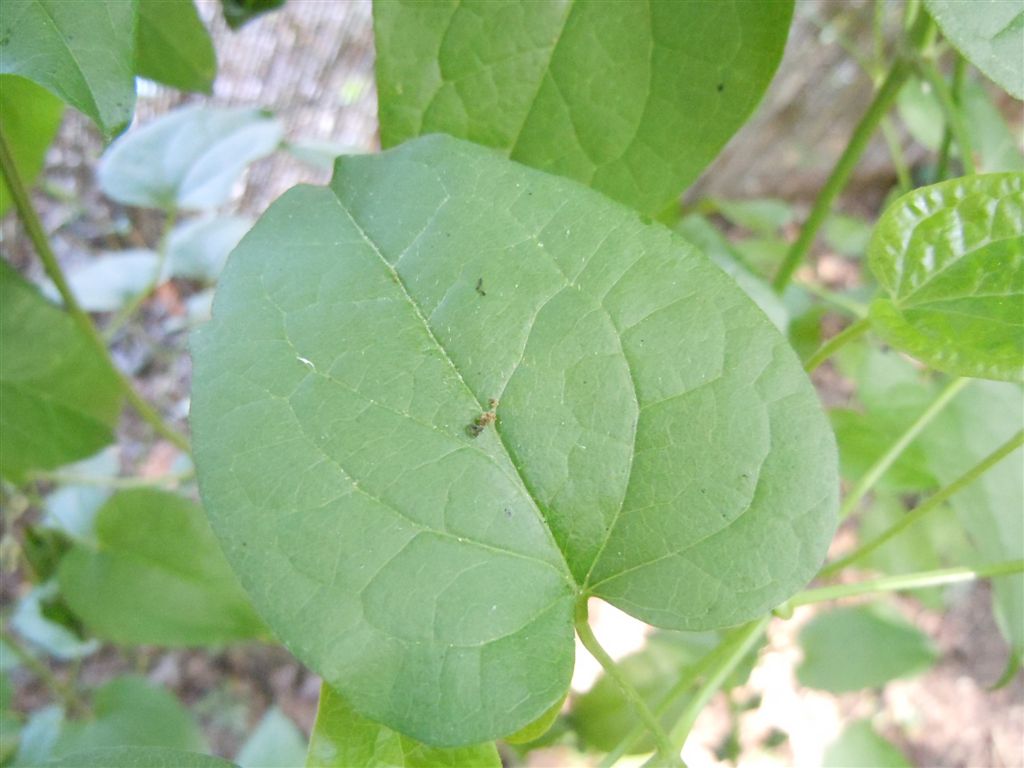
481 422
480 286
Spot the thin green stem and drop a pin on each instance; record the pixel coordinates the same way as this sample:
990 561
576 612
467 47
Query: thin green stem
65 693
161 259
34 228
586 635
908 581
884 97
99 481
686 681
928 505
839 301
954 118
899 160
841 339
887 459
740 644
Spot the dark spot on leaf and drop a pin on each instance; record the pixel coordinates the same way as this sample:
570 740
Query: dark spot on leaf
480 287
508 512
721 87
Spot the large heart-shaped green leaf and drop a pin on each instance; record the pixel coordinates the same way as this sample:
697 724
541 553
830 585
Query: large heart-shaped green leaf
59 400
341 738
951 257
82 52
173 47
31 119
634 99
445 398
990 34
156 575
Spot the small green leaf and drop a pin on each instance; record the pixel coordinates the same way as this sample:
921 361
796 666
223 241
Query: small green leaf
538 727
31 119
341 739
989 33
654 442
276 742
633 99
59 399
173 47
858 746
189 158
240 12
863 646
156 576
982 417
864 437
996 146
763 216
951 257
130 712
82 52
140 757
847 235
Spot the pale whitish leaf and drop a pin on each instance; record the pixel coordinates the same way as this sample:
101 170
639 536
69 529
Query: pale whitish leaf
189 158
155 576
951 258
49 636
989 33
82 52
633 99
39 737
59 399
107 282
656 443
342 738
198 249
276 742
72 508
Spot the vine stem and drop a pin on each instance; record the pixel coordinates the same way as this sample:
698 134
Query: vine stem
737 646
928 505
879 107
849 333
903 582
586 635
99 481
886 460
61 690
36 233
942 168
954 120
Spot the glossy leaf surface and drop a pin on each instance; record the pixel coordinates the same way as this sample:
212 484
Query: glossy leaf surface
173 47
341 738
81 52
156 576
189 158
140 757
31 119
633 99
862 646
655 442
59 400
989 33
951 257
